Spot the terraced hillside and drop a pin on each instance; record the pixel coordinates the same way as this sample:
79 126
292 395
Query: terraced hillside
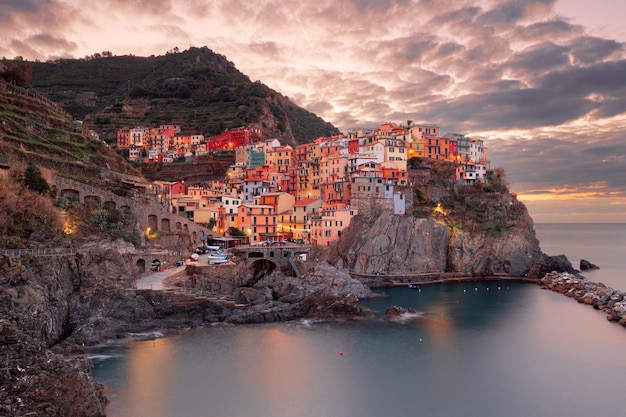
197 89
35 130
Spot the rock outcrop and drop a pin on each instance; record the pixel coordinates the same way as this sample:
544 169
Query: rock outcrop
50 308
402 315
586 265
323 291
547 264
399 245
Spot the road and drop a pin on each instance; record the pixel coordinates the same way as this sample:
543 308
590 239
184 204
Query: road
151 280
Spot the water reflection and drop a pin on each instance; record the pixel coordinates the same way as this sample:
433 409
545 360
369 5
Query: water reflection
151 369
516 352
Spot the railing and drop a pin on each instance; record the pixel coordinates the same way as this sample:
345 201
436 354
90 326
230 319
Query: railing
38 252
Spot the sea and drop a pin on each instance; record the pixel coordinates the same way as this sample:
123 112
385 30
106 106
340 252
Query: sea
488 349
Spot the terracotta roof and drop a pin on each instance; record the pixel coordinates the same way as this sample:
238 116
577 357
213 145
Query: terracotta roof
305 201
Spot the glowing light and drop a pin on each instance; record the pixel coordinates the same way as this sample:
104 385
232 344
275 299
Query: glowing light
440 210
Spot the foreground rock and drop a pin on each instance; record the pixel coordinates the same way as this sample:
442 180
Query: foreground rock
596 294
323 291
402 314
38 381
586 265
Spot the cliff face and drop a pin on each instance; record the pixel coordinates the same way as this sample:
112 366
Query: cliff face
396 245
46 304
513 252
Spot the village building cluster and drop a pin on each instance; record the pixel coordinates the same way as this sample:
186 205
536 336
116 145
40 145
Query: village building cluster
308 193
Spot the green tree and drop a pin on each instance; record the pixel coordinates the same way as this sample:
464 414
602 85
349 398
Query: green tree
235 232
34 180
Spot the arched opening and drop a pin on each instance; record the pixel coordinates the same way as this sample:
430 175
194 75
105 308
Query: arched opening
109 205
179 226
92 201
261 268
263 264
72 195
186 229
141 265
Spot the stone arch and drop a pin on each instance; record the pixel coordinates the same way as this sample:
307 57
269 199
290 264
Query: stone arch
165 225
92 201
70 194
109 205
255 255
186 228
141 265
263 264
153 222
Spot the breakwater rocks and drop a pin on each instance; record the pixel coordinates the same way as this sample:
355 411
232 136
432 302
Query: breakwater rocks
596 294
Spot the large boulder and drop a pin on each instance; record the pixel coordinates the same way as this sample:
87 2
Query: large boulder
546 264
586 265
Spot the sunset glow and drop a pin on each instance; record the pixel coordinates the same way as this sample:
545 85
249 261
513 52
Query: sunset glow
543 82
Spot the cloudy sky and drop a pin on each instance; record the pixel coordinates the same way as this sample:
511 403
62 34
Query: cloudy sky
543 82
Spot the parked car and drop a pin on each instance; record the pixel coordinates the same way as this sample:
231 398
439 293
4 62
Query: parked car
180 262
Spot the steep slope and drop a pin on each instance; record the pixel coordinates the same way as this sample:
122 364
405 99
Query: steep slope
400 245
35 130
481 229
197 89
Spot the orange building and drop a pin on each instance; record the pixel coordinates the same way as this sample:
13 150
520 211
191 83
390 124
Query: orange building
258 222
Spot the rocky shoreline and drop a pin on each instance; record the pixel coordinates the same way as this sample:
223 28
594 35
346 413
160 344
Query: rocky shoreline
599 296
53 310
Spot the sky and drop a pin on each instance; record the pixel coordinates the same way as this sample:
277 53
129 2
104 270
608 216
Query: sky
542 82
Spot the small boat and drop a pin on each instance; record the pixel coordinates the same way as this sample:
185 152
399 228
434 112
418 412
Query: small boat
216 259
226 255
414 286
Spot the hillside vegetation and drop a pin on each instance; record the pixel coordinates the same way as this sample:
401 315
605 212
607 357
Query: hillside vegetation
36 133
35 130
197 89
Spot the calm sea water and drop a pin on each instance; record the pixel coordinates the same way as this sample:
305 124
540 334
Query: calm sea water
603 244
475 349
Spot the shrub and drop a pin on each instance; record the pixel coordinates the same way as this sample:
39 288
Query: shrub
34 180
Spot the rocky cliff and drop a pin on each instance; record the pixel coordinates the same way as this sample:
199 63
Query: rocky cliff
52 308
380 241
